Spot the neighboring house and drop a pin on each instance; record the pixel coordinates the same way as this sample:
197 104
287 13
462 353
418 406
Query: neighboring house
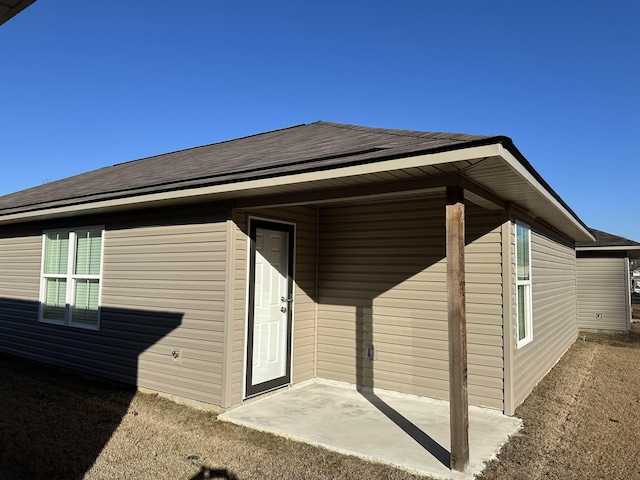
221 272
635 277
604 288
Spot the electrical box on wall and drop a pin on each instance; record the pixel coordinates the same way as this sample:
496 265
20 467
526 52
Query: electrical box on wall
370 352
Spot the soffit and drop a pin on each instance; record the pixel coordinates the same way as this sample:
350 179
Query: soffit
291 188
500 176
503 176
316 147
483 162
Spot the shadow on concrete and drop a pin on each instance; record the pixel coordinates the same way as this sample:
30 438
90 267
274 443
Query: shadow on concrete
393 259
410 428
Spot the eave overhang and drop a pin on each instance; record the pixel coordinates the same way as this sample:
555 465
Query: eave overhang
493 172
10 8
630 251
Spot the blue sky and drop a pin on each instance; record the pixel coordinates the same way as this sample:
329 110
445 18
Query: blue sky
86 84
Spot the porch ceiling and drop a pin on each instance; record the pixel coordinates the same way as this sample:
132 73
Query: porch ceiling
492 182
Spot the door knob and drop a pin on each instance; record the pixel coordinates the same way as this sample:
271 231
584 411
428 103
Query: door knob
283 309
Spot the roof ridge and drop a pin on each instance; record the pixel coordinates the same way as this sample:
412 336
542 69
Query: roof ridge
398 132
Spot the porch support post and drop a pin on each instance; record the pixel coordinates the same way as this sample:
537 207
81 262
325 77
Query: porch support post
458 397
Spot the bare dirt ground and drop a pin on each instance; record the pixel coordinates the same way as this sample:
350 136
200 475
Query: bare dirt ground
581 422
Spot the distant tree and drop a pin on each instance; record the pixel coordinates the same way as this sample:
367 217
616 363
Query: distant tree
634 264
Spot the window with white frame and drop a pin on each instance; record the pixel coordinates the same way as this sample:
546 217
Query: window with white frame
523 284
71 277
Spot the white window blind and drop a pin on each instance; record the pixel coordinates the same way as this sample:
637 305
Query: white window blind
88 252
71 276
523 284
56 253
85 308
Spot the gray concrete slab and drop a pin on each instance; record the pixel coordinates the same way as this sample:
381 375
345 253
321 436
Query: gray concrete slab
407 431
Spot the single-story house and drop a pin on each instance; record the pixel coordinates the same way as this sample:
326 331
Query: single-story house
604 282
436 264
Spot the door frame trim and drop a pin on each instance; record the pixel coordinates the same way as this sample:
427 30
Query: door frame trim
253 224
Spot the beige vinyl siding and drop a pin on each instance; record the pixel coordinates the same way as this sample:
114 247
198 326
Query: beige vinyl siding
20 253
303 361
236 380
383 283
162 290
553 276
167 281
602 289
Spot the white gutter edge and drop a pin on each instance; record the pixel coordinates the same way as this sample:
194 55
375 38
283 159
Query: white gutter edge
483 151
375 167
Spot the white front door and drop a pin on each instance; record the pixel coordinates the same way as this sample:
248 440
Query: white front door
270 289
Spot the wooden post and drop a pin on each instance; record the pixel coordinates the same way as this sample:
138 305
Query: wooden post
457 317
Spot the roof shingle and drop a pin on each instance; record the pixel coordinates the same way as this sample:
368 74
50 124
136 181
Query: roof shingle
604 240
301 148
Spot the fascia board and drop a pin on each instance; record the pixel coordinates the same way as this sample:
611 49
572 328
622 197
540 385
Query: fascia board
516 165
237 188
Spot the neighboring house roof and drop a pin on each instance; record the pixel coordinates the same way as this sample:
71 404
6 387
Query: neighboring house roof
10 8
609 242
299 158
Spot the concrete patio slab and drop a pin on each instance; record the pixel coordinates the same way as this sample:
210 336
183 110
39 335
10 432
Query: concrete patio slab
406 431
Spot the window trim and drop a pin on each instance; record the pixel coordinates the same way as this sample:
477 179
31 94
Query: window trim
70 277
528 285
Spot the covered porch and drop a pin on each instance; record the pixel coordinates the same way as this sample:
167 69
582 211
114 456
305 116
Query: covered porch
400 285
405 431
380 304
402 281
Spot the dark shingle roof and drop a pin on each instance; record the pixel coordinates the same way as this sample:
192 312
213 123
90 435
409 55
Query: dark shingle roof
315 146
604 240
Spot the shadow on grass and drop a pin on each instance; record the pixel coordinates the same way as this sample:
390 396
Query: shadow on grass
54 423
207 473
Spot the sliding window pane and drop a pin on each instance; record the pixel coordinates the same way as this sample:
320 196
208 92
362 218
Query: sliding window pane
85 309
88 251
522 238
55 299
56 253
523 311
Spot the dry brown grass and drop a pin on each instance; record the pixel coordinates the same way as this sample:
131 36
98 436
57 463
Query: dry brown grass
582 421
55 425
